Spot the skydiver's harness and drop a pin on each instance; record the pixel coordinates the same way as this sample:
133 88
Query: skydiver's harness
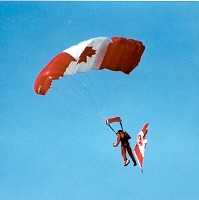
124 138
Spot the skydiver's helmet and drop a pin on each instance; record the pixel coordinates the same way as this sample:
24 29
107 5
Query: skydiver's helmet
119 131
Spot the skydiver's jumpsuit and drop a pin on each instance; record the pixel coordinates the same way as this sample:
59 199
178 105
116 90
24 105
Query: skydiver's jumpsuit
123 137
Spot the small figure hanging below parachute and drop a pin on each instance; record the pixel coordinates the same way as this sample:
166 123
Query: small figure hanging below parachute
115 54
123 137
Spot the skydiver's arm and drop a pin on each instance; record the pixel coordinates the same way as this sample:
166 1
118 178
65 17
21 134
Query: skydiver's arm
118 141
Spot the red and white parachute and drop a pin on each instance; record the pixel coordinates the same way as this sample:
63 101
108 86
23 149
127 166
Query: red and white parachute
116 54
140 146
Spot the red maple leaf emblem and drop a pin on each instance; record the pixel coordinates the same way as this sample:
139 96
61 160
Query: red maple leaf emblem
88 51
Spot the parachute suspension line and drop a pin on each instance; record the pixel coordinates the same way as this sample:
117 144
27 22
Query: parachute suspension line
66 95
87 97
95 108
105 102
96 91
89 79
95 88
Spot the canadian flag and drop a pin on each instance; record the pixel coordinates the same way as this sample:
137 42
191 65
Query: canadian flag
140 146
87 54
115 54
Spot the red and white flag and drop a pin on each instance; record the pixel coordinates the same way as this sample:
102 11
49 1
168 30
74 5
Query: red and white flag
140 146
88 55
115 54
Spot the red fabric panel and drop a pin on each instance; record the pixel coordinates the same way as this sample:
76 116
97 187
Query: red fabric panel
122 55
138 155
53 70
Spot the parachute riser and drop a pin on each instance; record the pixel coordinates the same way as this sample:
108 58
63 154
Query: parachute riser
121 125
112 127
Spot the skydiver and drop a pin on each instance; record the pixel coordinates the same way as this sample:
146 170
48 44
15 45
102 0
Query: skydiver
124 137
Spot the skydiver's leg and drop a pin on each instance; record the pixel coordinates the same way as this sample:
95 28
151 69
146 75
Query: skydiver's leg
131 155
123 151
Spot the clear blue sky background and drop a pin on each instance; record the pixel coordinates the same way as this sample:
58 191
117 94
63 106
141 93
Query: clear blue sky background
56 147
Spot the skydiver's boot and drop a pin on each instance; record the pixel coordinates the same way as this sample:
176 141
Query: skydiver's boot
135 163
126 162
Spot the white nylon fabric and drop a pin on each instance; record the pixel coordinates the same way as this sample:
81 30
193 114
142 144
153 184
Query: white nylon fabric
141 142
99 44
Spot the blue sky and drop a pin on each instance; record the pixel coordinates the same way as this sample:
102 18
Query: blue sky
56 147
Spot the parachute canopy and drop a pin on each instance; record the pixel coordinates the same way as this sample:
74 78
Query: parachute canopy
116 54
